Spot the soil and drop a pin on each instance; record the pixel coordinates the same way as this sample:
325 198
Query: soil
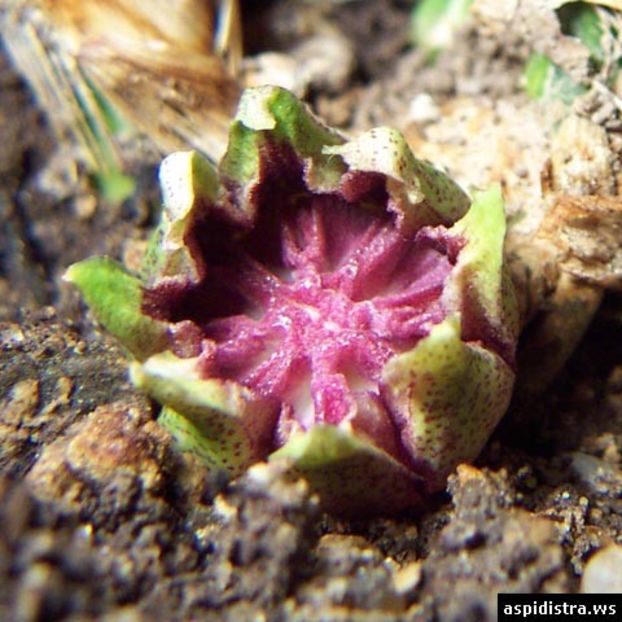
101 518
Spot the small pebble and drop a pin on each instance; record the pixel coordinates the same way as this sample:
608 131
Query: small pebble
22 402
598 474
407 578
603 572
85 206
11 334
423 109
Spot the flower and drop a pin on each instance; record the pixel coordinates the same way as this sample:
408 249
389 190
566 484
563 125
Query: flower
339 304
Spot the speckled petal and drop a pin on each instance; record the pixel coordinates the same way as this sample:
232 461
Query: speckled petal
272 114
189 183
349 473
479 282
421 194
447 396
114 296
222 422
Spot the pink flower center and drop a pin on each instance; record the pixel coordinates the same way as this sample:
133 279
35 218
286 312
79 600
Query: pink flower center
315 327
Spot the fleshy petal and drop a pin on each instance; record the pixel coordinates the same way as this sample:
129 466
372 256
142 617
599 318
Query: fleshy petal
349 473
189 183
479 284
222 422
422 194
115 297
446 396
269 114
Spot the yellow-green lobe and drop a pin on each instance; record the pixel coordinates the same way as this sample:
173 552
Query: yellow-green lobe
480 274
349 473
448 396
115 296
189 186
423 194
221 421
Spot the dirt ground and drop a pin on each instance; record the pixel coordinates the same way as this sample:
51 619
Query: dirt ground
102 519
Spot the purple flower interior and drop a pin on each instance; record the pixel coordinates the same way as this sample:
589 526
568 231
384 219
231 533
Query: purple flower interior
307 306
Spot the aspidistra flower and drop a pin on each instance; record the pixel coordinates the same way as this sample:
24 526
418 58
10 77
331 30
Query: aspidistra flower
337 303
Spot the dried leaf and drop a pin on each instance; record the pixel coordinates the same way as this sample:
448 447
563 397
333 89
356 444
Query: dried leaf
160 64
586 231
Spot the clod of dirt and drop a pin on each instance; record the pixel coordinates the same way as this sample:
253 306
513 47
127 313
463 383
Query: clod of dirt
48 570
598 474
160 546
537 25
582 162
253 554
104 466
115 470
49 376
488 546
350 572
